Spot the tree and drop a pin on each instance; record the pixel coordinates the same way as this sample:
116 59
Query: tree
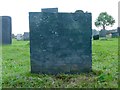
104 20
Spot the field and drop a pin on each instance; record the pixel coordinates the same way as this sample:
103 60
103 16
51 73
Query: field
16 68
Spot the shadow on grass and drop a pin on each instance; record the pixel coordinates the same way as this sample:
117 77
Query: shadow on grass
107 39
66 77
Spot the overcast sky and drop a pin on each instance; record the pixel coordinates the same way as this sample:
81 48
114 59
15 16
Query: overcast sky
18 10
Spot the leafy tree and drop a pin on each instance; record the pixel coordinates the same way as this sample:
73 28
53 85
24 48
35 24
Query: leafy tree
104 20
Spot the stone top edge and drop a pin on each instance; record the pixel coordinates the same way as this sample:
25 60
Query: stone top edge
77 11
61 12
6 16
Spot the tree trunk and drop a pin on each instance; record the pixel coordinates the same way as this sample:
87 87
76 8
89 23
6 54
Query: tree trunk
104 31
103 27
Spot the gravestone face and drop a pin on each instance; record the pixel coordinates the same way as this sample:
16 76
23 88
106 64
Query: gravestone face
13 36
103 33
26 36
60 42
19 37
118 30
96 37
50 10
95 32
6 29
115 34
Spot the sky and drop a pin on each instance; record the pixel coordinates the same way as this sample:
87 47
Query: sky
19 10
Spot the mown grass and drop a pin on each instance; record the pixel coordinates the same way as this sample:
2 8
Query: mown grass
16 68
0 66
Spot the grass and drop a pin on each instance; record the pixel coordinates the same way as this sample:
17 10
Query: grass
16 68
0 66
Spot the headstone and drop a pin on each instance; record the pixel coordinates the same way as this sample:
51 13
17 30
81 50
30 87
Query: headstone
96 37
115 34
6 29
26 36
50 10
103 33
118 30
60 42
109 35
95 32
19 37
13 36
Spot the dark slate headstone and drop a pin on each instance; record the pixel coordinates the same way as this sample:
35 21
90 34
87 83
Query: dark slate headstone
115 34
96 37
60 42
50 10
118 30
26 36
6 29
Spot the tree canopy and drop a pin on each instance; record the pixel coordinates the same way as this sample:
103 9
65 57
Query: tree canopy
104 20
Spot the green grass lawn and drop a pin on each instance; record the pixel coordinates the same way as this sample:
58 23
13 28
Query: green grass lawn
16 68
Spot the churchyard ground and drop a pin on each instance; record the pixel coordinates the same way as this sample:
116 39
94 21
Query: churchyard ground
16 68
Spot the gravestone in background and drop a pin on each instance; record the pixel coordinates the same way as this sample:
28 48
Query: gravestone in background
118 30
6 29
96 37
13 36
95 32
103 33
19 37
26 36
60 42
115 34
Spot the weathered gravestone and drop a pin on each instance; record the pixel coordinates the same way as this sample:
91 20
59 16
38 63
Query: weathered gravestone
19 37
6 29
95 32
13 36
96 37
115 34
26 36
60 42
103 33
118 30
